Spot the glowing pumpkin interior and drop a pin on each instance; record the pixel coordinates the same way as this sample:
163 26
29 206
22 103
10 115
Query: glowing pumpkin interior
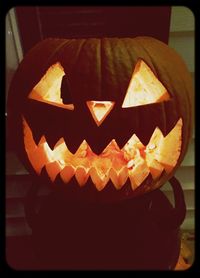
134 161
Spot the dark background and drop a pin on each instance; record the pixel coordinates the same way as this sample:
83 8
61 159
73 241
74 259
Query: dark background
37 23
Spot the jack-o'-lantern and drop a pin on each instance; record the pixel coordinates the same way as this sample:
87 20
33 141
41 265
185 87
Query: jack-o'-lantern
114 113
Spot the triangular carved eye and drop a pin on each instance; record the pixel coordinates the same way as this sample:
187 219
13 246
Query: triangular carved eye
100 110
48 89
144 87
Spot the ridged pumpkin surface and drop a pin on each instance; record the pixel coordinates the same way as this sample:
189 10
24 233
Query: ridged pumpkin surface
101 69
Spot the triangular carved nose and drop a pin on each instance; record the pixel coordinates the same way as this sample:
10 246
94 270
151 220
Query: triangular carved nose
100 110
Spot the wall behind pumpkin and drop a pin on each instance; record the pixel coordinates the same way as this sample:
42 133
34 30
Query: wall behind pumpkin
181 38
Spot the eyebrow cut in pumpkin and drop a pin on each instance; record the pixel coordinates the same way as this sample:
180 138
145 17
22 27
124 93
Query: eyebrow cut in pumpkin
144 87
48 89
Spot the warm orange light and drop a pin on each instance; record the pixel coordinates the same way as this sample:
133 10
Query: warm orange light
134 161
48 88
100 110
144 87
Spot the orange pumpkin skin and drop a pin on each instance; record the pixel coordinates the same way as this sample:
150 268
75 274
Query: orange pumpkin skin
101 69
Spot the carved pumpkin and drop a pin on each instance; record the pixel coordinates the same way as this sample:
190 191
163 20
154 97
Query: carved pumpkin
111 113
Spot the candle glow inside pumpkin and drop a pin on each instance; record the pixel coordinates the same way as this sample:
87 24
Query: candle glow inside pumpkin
134 161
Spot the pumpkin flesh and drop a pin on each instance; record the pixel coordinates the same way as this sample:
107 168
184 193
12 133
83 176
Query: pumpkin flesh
134 160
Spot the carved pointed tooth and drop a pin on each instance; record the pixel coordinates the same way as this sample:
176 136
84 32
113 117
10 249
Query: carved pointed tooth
48 152
53 169
100 172
155 168
134 141
169 147
61 151
98 179
111 147
82 175
82 150
29 142
114 144
40 156
118 178
102 165
152 150
154 142
131 147
138 173
67 173
42 140
172 143
61 142
112 151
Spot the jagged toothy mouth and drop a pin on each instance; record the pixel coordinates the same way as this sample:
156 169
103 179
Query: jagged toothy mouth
134 161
